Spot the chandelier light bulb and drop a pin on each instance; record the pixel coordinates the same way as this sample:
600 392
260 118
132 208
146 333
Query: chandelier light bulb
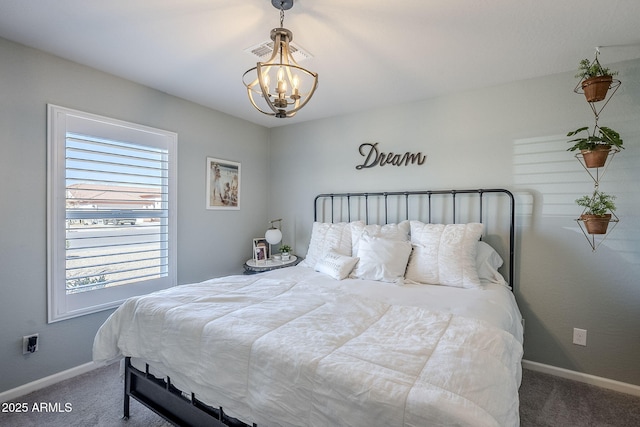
296 83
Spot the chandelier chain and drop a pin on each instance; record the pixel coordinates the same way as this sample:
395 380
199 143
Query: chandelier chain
281 15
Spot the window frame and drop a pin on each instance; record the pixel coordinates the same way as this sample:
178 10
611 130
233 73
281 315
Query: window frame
60 121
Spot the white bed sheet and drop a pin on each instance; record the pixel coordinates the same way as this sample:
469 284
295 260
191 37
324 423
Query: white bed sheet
304 349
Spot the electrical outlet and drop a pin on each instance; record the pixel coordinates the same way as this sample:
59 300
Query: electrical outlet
580 336
30 344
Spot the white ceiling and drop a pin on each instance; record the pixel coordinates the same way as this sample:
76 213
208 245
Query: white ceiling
368 53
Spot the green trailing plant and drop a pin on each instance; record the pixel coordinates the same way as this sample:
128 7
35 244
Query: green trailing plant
588 69
597 204
285 249
602 135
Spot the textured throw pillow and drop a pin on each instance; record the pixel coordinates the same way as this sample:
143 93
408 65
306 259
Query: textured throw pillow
389 231
327 236
381 259
336 265
488 261
444 254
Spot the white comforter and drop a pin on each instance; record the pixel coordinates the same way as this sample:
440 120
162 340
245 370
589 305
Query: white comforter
282 349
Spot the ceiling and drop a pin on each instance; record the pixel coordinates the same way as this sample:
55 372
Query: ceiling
368 53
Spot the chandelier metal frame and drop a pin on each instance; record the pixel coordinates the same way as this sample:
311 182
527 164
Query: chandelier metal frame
294 85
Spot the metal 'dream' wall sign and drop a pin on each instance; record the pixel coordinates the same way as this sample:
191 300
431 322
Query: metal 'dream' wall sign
374 157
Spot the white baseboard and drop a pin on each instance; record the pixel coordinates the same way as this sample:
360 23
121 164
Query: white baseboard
9 395
527 364
583 378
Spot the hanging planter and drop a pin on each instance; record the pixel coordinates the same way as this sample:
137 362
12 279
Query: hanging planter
596 88
597 157
597 84
595 148
596 224
595 80
597 211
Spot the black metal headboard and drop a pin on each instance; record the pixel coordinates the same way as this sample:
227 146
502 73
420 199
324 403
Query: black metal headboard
486 206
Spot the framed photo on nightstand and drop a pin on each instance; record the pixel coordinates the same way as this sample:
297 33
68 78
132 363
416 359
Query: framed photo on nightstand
260 250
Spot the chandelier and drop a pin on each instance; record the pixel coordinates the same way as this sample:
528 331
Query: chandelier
280 87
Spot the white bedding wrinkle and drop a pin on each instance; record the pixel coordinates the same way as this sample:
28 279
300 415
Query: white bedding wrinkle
293 347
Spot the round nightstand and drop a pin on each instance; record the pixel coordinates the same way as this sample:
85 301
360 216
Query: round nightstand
252 266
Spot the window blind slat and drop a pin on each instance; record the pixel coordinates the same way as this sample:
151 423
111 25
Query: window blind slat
132 279
158 263
71 259
112 145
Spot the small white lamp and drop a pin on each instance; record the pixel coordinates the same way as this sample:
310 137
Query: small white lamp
273 234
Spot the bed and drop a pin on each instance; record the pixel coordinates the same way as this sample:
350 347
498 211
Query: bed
400 314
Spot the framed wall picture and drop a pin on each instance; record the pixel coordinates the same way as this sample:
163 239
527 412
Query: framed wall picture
260 250
223 184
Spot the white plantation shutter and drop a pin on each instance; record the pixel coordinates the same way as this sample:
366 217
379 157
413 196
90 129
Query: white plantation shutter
111 211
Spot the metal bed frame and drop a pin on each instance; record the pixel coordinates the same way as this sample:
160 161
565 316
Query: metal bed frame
159 395
387 206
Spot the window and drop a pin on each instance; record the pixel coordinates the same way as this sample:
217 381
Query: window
111 212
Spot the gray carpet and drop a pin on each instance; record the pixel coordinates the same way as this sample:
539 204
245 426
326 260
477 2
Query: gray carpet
96 400
549 401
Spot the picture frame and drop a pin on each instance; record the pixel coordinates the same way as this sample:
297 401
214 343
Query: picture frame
260 250
223 184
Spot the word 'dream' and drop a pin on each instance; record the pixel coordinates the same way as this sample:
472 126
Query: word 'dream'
373 157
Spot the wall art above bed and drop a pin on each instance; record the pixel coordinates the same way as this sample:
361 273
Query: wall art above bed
374 157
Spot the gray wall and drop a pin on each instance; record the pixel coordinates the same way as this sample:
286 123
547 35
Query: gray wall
210 243
509 136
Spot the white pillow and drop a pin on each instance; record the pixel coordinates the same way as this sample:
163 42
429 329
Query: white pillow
381 259
444 254
488 261
336 265
327 236
389 231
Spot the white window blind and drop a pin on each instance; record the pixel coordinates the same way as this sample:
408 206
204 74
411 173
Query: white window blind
112 215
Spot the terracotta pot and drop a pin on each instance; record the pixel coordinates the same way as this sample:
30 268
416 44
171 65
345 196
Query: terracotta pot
597 157
596 224
595 89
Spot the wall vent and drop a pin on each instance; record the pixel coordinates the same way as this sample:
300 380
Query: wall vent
263 51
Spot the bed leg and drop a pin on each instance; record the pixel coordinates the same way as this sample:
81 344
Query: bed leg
125 415
127 388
